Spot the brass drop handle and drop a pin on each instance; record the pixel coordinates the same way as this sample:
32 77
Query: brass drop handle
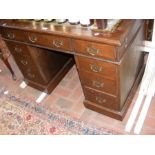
18 50
10 35
95 68
92 51
24 62
100 100
97 84
31 75
33 39
58 43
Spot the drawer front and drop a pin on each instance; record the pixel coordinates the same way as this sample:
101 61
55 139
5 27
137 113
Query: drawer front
38 39
18 49
61 43
95 49
105 69
49 41
101 98
33 75
13 34
98 82
24 62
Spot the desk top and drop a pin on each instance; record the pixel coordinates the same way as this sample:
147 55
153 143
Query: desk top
115 38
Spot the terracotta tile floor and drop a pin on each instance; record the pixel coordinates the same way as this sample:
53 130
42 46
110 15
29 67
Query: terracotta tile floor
68 97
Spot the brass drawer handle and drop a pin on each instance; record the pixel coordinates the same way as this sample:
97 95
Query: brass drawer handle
10 35
92 51
100 100
97 84
31 75
95 68
58 43
33 39
24 62
18 50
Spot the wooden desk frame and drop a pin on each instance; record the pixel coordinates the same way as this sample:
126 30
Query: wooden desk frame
111 58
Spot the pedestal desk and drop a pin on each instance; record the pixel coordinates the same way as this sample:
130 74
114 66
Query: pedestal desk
108 63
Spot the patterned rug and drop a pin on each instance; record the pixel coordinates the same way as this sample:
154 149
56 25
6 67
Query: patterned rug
21 116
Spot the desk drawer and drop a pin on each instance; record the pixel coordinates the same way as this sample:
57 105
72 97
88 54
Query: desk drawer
101 98
98 82
61 43
49 41
13 34
18 49
105 69
30 70
38 39
95 49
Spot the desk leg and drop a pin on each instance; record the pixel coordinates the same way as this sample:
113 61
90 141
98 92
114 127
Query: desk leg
9 67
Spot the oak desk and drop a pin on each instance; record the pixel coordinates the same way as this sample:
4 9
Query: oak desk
108 63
